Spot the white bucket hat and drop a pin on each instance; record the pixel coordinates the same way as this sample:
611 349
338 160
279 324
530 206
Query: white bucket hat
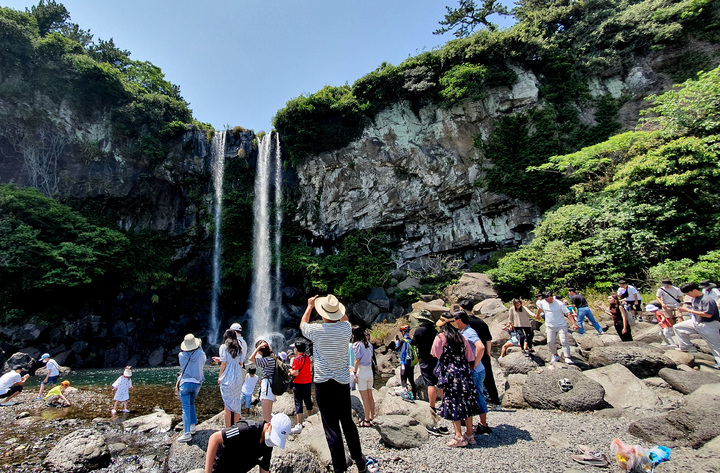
190 343
329 307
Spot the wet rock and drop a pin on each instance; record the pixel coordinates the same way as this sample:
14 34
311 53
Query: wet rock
644 361
80 451
399 431
687 381
541 390
623 390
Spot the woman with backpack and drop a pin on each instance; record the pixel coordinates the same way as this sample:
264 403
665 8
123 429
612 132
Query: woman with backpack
265 359
408 360
362 373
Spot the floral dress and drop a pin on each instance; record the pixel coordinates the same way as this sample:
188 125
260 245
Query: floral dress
454 377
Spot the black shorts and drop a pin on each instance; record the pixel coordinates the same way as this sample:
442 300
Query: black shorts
428 374
11 391
302 393
635 305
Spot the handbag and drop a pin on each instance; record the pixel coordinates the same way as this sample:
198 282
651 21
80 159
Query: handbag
177 381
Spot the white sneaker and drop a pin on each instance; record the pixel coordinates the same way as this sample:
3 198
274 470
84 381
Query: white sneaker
192 428
9 403
186 437
296 430
555 358
568 361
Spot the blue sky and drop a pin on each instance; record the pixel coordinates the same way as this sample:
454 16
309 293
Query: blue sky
238 62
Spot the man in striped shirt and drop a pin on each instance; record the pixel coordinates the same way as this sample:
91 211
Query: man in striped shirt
332 378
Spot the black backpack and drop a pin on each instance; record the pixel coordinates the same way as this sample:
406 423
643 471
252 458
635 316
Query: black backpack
281 377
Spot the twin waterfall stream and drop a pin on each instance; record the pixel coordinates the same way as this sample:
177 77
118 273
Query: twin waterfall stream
265 302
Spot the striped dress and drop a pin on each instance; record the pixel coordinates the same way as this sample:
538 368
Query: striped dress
330 350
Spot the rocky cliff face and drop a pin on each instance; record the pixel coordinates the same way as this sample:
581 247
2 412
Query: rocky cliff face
411 174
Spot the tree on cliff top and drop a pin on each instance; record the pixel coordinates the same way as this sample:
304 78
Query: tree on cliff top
468 16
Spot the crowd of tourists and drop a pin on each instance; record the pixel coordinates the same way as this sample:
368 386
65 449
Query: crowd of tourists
453 355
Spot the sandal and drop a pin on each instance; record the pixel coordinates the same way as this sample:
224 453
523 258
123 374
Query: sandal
365 423
470 439
457 442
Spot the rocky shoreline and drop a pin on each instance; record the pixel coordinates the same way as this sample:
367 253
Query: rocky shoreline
640 392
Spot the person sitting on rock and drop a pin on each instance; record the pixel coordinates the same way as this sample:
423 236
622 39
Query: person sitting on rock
239 448
556 324
513 342
705 321
55 397
11 384
519 321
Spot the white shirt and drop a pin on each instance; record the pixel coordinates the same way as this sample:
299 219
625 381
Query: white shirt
8 380
249 384
52 368
243 345
629 293
673 297
554 313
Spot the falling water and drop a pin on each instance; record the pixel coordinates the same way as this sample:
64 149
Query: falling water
264 299
218 167
277 288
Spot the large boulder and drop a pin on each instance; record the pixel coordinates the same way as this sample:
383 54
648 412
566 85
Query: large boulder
378 297
156 357
623 390
687 381
21 359
183 457
475 287
284 403
490 308
307 452
157 422
436 309
588 341
418 410
365 311
513 397
517 363
541 390
80 451
644 361
28 333
690 426
400 431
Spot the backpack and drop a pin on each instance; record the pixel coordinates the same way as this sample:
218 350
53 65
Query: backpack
281 378
411 354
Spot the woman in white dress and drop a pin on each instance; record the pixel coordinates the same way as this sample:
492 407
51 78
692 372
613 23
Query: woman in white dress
230 378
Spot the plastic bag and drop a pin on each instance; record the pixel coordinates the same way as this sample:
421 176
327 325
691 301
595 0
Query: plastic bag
632 458
659 454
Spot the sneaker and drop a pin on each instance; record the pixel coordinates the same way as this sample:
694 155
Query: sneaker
192 427
482 429
568 361
372 465
716 366
443 430
113 411
555 358
38 398
436 431
186 437
296 430
9 403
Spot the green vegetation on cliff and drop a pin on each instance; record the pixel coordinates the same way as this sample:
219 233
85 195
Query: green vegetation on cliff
646 203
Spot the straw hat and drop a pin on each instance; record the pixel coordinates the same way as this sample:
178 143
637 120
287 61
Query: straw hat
190 343
329 307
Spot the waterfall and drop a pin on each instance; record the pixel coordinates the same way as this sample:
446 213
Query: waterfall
265 295
217 148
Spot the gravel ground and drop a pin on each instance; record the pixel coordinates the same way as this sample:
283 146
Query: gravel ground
524 440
